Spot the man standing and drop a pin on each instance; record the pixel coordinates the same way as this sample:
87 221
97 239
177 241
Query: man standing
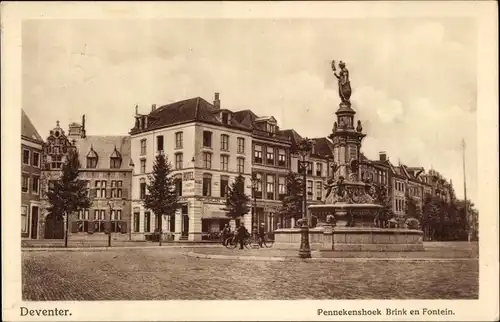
241 234
262 233
226 231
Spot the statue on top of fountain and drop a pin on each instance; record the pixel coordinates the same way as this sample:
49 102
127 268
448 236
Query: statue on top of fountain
344 83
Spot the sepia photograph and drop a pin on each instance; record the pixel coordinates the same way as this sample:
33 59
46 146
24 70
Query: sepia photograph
268 158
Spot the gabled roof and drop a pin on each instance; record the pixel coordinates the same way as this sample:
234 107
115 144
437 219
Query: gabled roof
293 136
191 110
104 147
245 117
323 147
28 130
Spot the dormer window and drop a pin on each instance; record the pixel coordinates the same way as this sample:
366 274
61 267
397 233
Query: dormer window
225 118
92 159
271 127
115 160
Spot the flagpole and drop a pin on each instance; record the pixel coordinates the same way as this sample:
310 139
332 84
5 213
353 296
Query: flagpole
469 232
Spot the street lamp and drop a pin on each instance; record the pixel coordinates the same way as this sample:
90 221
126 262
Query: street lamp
255 220
109 223
304 149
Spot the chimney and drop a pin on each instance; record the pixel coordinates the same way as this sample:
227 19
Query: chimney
136 109
382 156
83 126
153 107
217 101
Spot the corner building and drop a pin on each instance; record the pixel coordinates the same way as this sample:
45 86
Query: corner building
207 148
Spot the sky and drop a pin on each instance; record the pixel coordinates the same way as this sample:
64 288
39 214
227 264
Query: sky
414 80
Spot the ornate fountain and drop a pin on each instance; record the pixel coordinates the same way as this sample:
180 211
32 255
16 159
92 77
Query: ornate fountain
348 217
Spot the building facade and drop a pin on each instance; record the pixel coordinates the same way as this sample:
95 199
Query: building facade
106 169
208 148
270 166
31 154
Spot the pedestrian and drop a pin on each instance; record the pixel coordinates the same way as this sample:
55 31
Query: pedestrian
226 231
241 234
261 234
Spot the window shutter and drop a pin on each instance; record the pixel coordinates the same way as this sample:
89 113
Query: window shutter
91 226
124 227
124 193
93 193
74 226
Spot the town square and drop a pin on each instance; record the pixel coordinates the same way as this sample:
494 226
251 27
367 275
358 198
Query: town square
301 165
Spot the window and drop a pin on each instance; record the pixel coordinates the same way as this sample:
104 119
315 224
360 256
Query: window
25 183
100 189
309 190
116 189
281 187
99 220
143 146
159 143
225 118
224 142
224 184
57 162
319 191
270 127
207 139
178 186
241 165
26 156
142 191
207 185
258 191
270 187
178 161
136 222
36 159
319 169
115 163
83 221
207 160
309 168
224 162
24 219
143 166
178 140
147 222
281 158
35 185
241 145
270 156
257 154
91 162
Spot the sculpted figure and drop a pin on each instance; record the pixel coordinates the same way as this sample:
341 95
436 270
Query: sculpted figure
344 83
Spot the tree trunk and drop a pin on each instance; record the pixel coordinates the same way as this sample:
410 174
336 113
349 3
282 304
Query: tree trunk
160 228
66 228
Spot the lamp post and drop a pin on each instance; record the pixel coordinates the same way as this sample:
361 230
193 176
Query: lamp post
304 149
255 220
109 223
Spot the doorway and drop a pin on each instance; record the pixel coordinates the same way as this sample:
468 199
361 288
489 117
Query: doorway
54 227
185 221
34 222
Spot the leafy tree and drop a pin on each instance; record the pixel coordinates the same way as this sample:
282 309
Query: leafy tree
412 209
162 197
236 200
291 206
431 218
69 194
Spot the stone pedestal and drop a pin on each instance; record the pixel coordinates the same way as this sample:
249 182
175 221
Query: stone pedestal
327 237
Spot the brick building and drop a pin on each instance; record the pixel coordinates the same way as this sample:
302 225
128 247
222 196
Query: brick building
106 168
270 165
31 151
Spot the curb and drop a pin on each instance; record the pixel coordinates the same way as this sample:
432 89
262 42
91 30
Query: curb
292 259
79 249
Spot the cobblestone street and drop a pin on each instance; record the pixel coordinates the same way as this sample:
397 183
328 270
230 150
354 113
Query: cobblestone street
168 274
